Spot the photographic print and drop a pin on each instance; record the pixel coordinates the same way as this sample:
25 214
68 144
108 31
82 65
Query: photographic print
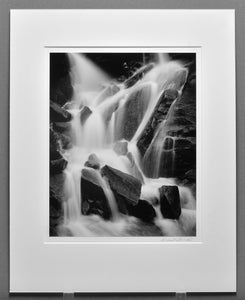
122 144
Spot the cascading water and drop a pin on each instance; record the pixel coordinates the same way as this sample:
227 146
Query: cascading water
106 123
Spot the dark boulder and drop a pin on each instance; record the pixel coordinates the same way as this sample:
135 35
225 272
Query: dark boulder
170 202
123 184
57 166
159 115
143 211
121 147
58 114
139 74
93 198
84 114
92 162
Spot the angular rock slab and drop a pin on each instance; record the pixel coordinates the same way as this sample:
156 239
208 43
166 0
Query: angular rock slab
58 114
170 202
57 166
123 184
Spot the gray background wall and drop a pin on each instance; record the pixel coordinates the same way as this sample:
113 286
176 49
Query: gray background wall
5 6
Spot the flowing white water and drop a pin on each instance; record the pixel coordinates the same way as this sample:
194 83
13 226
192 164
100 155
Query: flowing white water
98 135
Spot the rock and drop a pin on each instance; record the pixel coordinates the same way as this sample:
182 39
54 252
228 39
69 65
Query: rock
180 156
143 210
139 74
92 162
61 127
130 115
170 202
91 175
135 170
84 114
123 184
93 197
121 147
58 114
57 166
159 114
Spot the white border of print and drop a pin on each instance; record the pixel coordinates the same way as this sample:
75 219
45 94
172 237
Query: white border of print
160 239
39 265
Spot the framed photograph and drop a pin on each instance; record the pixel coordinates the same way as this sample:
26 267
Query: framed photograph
119 165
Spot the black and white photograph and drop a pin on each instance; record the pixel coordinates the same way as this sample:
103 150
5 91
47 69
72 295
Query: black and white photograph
122 144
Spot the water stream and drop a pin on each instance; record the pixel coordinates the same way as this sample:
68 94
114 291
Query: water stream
108 123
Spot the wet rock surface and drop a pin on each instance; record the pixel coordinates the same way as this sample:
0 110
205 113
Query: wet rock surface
84 114
58 114
159 115
130 115
121 147
93 161
123 184
170 202
57 165
177 153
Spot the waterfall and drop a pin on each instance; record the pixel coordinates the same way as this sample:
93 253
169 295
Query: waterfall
156 154
116 112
